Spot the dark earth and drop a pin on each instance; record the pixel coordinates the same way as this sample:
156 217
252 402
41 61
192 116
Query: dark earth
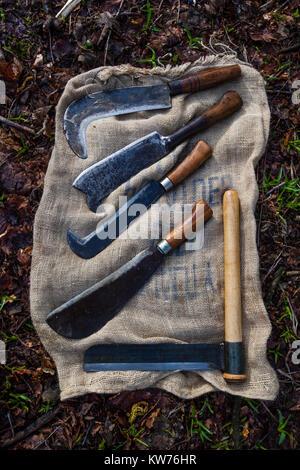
38 55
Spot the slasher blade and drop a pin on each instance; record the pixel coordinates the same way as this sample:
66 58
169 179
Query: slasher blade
161 356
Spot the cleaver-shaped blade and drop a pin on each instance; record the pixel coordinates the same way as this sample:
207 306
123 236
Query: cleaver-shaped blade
116 224
105 176
81 112
89 311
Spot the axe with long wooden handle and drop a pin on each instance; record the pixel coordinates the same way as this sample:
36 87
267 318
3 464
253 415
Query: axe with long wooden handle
227 356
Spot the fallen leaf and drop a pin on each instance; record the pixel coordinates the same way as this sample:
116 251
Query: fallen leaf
23 257
245 433
214 6
11 71
85 408
295 408
150 421
47 366
96 429
265 36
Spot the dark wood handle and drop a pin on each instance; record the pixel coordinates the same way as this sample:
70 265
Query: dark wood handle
234 363
200 153
203 80
178 234
228 104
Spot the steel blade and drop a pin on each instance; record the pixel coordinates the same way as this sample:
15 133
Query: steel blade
82 112
162 356
103 177
89 311
110 229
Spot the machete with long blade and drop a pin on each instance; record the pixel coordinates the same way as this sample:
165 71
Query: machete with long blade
81 112
109 230
89 311
227 356
105 176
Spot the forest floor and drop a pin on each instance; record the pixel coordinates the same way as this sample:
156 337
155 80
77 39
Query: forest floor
38 55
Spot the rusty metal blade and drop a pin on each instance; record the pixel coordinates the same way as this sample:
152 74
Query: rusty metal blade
89 311
80 113
100 179
161 356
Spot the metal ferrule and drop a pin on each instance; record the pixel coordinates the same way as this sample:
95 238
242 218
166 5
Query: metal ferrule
164 247
166 183
234 357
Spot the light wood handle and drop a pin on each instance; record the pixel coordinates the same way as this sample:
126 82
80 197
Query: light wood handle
177 235
233 306
200 153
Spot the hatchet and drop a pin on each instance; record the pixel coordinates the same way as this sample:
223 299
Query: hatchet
105 176
227 356
80 113
109 230
89 311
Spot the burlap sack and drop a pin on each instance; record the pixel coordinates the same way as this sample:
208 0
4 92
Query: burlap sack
183 301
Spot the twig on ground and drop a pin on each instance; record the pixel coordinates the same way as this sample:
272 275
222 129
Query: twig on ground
16 125
268 411
106 47
282 6
51 434
294 318
40 422
236 421
293 48
273 266
288 367
159 7
179 407
226 32
11 425
26 318
270 2
86 434
276 280
109 34
178 11
260 441
262 203
289 376
50 47
67 8
275 187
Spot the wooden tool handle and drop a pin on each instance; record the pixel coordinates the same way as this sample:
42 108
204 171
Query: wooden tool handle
234 364
228 104
178 234
201 152
203 80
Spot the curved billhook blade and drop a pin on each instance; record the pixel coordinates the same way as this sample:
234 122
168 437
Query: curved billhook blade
116 224
81 112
